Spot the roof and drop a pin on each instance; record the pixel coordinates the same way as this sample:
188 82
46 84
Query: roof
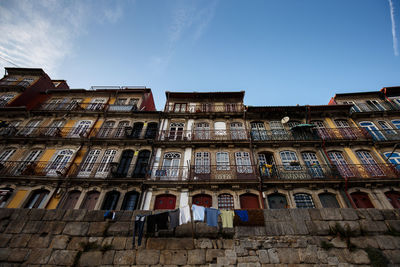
205 95
391 91
79 90
358 93
25 71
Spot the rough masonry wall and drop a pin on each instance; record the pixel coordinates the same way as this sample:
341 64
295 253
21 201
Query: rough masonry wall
291 237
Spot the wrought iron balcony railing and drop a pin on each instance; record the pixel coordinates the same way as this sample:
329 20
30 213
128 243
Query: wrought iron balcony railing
204 108
109 170
223 172
73 106
385 135
33 168
202 135
345 133
53 132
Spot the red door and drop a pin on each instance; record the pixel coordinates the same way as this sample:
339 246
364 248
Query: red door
361 200
165 202
394 198
71 200
91 200
202 200
249 201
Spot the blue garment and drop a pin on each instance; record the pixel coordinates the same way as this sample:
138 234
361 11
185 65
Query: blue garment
243 215
212 216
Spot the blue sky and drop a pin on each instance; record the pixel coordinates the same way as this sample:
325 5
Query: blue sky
281 52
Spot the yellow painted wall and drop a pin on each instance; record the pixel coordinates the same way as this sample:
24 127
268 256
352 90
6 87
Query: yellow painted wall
70 123
80 155
351 155
378 155
16 201
330 123
47 155
53 203
112 100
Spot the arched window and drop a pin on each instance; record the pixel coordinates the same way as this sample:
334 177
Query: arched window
106 129
111 200
289 160
105 163
58 165
394 158
151 130
225 202
345 129
249 201
202 200
328 200
165 202
202 131
369 164
176 130
171 164
258 131
28 166
312 163
237 131
88 165
388 130
142 163
37 199
396 123
120 132
90 201
54 130
277 201
340 163
394 198
130 201
5 194
361 200
373 130
124 163
72 199
81 129
303 201
136 130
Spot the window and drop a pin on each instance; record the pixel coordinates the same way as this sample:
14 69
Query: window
243 163
289 160
106 129
277 201
124 164
74 104
55 128
202 131
104 166
96 104
37 199
90 200
312 163
124 104
225 202
222 161
5 194
58 165
258 131
328 200
81 129
130 201
26 82
237 131
6 154
219 129
30 127
121 129
4 99
136 130
354 108
202 162
369 163
151 131
142 163
375 105
176 130
71 200
387 128
267 164
396 123
171 164
277 128
338 160
110 200
373 130
89 163
8 80
303 201
10 128
231 107
345 129
180 107
28 166
321 129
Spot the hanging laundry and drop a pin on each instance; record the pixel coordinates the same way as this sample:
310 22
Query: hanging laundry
173 218
184 215
212 216
138 229
256 218
198 213
157 222
109 215
243 215
227 218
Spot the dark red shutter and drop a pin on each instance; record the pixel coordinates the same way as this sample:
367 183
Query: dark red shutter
249 201
394 198
91 200
362 200
165 202
71 200
202 200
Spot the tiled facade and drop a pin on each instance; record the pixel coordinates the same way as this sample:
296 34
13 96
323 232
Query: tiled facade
108 148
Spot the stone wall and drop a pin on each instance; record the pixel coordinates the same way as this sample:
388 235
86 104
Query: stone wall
291 237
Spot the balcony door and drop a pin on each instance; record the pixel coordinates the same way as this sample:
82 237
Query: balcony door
258 131
312 163
124 163
373 130
237 131
341 164
55 128
30 127
176 131
28 165
370 164
141 164
58 165
266 163
202 131
105 163
96 104
345 129
106 129
394 158
171 165
89 163
81 129
321 129
120 132
243 162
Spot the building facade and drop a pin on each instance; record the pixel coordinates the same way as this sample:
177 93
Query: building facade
108 148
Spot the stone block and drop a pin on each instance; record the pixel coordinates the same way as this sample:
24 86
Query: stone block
53 215
228 243
246 231
364 242
3 225
393 256
91 258
126 216
75 243
32 227
156 243
20 241
363 214
5 213
124 257
76 228
315 214
385 242
273 255
349 214
186 230
173 257
74 215
288 255
179 243
5 239
300 227
331 214
40 241
222 261
249 264
15 227
203 230
97 228
39 256
4 253
394 225
360 257
247 259
108 257
203 243
309 254
338 242
390 215
60 242
36 214
96 239
241 251
250 244
20 215
278 215
119 229
354 226
94 216
196 256
231 255
300 214
107 241
18 255
376 214
373 226
63 257
263 256
54 228
148 257
119 242
213 254
318 227
333 261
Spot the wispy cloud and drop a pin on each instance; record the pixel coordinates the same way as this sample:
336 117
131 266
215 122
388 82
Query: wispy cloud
395 45
42 33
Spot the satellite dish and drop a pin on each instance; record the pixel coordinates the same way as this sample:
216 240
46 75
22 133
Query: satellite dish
285 120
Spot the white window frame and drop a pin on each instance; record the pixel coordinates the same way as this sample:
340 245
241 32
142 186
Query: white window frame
222 161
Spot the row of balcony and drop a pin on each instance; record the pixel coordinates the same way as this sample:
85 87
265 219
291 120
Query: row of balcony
203 108
83 107
202 135
198 173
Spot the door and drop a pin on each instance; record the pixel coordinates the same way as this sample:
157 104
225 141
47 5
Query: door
151 130
243 163
91 200
96 104
321 130
361 200
55 129
165 202
120 132
220 130
394 158
202 131
89 163
81 129
258 131
328 200
171 165
202 200
267 164
141 164
110 201
130 201
176 131
105 163
124 163
340 163
249 201
136 130
71 200
106 129
373 130
202 165
237 131
58 165
394 198
369 164
277 201
30 128
345 130
28 166
312 163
